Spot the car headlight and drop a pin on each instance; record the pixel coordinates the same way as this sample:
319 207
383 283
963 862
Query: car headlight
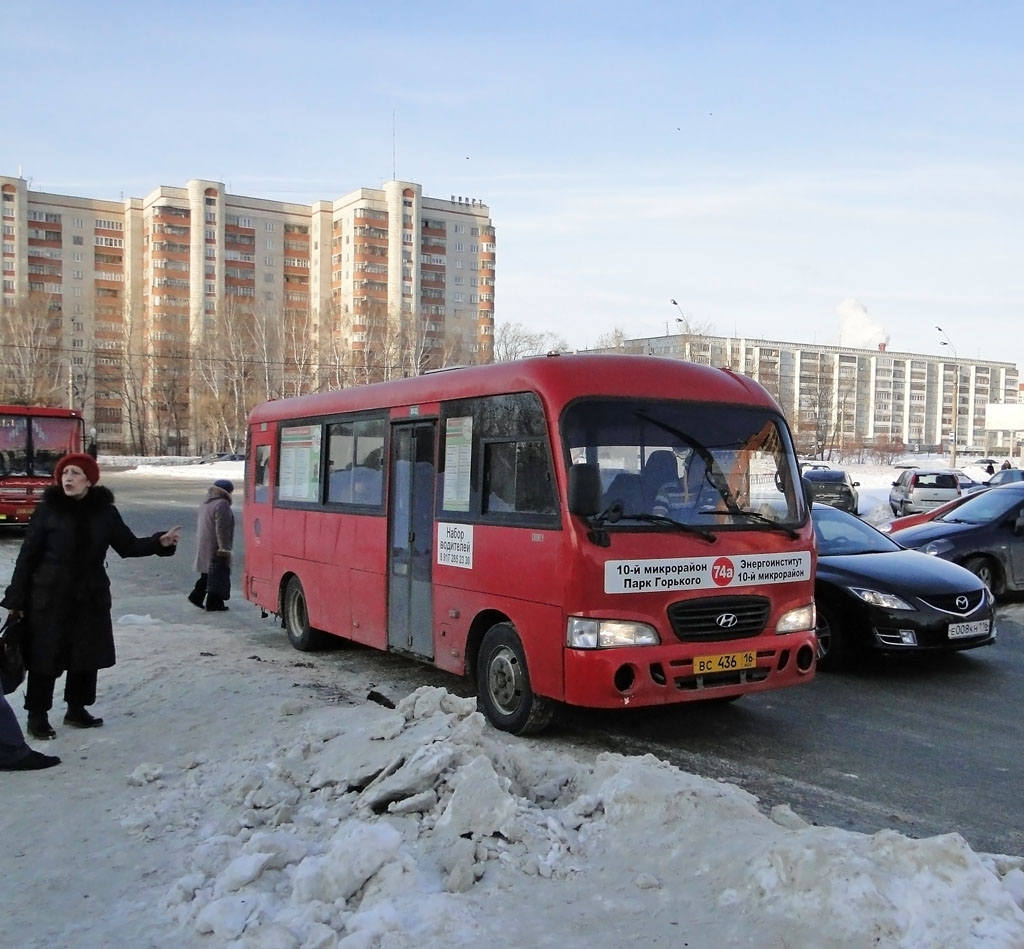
936 548
585 633
887 601
795 620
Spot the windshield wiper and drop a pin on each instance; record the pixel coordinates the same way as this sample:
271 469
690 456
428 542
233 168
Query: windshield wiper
770 522
703 532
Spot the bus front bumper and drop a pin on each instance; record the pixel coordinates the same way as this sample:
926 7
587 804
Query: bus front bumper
643 676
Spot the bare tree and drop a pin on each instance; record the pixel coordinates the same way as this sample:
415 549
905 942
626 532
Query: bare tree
35 367
514 341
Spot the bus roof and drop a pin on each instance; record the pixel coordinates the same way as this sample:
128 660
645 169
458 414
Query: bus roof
40 410
559 378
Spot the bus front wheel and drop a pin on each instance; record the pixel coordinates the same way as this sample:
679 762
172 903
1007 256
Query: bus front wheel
503 680
296 619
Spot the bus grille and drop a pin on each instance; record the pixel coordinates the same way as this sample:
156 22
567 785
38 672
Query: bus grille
719 618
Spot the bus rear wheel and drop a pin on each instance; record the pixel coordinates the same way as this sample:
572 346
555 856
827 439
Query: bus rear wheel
296 619
503 680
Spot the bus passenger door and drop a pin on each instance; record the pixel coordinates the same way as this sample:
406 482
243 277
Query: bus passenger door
258 515
411 532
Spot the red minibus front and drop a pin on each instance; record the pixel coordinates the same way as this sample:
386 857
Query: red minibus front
601 531
32 440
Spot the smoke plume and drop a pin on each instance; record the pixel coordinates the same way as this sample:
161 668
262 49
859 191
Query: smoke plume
857 329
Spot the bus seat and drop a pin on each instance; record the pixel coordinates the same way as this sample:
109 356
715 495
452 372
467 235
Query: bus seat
660 469
627 489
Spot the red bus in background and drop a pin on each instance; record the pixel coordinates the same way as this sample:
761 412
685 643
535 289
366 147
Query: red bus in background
601 531
32 439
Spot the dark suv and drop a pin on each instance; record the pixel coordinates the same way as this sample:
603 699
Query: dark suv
833 487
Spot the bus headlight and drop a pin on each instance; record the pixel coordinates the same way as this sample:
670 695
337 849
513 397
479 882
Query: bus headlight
795 620
585 633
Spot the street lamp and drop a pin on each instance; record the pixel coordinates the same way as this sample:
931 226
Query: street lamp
945 341
682 316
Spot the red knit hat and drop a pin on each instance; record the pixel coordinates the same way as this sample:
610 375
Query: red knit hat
86 462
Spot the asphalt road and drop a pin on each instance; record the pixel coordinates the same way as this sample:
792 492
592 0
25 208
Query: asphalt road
922 745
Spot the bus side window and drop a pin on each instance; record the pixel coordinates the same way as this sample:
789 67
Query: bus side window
355 462
261 482
517 478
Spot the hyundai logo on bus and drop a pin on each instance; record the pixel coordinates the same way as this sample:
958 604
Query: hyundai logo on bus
727 620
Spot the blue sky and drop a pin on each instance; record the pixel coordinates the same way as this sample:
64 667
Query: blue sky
761 163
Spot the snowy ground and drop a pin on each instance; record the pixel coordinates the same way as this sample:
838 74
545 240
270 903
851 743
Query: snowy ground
242 795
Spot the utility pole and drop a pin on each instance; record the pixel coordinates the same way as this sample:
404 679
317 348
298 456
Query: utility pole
956 395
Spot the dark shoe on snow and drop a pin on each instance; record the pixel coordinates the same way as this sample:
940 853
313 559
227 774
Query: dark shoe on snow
39 726
79 717
195 600
33 761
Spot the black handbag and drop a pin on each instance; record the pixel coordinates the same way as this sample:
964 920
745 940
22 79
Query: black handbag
12 663
218 579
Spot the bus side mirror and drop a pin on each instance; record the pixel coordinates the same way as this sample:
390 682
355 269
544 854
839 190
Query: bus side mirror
584 490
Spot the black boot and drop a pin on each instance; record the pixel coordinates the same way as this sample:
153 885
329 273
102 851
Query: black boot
79 717
39 726
33 761
196 600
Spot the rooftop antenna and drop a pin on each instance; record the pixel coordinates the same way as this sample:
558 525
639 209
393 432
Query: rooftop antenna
394 166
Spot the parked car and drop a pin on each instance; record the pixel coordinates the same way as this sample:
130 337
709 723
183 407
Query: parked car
967 484
834 487
1005 476
874 596
985 534
919 489
902 523
814 466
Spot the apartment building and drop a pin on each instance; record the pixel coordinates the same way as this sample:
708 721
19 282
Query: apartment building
139 296
844 396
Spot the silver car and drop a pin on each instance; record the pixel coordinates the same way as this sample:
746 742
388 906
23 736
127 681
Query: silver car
918 490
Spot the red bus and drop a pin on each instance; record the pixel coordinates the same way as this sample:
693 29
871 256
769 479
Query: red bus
32 439
600 531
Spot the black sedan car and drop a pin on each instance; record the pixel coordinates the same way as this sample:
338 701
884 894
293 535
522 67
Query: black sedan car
872 595
834 487
984 534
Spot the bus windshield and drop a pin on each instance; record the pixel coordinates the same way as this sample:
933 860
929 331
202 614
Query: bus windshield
693 463
30 446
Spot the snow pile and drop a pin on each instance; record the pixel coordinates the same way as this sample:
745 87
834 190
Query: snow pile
366 826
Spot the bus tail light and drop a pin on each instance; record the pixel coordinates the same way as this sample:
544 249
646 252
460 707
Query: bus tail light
585 633
796 620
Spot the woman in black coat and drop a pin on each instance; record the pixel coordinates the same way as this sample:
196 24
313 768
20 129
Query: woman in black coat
61 586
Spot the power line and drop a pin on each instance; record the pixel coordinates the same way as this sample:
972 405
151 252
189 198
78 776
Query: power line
223 360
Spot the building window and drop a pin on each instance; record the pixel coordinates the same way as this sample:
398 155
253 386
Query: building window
268 225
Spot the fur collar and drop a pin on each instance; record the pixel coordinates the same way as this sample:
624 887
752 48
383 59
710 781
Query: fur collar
98 496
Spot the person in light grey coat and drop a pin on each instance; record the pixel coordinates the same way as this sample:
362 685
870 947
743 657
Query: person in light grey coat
215 536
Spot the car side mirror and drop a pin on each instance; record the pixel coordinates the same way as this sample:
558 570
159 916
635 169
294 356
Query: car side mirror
895 484
1018 525
856 484
585 490
808 492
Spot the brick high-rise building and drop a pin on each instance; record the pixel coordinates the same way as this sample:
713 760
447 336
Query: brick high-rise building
145 297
